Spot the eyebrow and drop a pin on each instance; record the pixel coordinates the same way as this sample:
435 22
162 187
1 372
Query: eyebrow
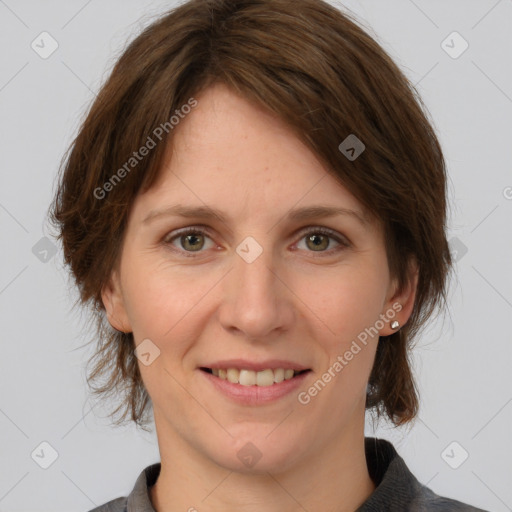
305 213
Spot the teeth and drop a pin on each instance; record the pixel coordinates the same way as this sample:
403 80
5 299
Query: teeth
233 375
247 377
263 378
251 378
278 375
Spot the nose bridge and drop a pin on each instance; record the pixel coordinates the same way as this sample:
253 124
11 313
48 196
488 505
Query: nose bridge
254 281
254 300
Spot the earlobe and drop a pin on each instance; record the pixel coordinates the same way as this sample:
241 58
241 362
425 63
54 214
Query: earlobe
113 303
399 307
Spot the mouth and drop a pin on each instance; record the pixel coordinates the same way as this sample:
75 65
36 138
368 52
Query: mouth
264 378
249 387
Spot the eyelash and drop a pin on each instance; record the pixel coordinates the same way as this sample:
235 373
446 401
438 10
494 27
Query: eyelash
198 230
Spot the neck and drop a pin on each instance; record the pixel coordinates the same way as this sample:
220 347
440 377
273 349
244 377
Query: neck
335 480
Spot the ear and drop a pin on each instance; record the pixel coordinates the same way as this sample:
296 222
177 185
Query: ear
399 305
113 301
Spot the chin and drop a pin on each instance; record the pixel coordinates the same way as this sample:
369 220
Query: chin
258 453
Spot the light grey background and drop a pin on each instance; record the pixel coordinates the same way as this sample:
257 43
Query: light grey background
463 362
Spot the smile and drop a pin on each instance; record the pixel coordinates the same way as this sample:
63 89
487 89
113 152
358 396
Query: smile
249 387
264 378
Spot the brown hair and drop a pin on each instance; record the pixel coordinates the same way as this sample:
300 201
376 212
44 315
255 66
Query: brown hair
326 78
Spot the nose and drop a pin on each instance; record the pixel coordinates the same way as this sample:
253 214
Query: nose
256 303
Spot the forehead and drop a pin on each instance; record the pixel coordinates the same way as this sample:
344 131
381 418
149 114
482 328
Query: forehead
231 154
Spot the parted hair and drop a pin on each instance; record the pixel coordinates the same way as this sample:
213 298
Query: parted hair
319 70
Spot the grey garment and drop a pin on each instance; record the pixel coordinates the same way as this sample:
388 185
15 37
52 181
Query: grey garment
397 489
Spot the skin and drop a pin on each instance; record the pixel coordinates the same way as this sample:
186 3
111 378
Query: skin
293 302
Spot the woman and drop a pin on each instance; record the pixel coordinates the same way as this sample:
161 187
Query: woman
255 206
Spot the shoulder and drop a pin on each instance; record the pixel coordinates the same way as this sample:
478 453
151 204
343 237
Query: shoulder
139 498
426 500
117 505
397 489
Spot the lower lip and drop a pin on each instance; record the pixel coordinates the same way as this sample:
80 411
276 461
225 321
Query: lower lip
255 395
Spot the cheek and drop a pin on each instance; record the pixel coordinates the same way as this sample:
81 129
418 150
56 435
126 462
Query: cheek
350 309
349 301
164 303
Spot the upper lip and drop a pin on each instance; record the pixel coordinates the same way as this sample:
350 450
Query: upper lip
244 364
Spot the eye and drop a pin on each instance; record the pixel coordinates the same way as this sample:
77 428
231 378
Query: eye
189 239
317 239
192 240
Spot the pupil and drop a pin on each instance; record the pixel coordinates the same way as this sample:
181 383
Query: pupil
317 239
188 238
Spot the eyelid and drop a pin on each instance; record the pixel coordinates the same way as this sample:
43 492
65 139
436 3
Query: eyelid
342 240
199 228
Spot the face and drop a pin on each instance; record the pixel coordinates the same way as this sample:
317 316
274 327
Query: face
258 285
